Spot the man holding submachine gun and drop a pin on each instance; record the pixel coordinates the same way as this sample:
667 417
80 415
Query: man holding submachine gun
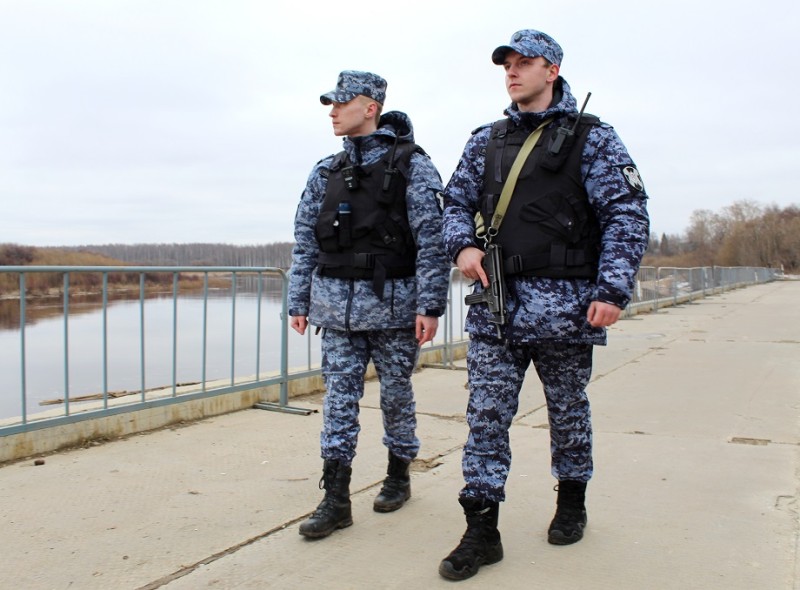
566 225
495 294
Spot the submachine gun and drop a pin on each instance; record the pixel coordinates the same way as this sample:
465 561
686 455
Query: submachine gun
495 294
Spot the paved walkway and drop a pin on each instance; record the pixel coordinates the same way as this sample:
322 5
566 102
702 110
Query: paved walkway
696 451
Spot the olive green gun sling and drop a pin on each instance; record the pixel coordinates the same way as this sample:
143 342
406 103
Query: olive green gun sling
508 187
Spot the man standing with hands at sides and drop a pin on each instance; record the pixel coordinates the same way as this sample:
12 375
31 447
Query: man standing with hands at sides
571 239
369 270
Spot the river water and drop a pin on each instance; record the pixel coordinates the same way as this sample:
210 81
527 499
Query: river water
45 345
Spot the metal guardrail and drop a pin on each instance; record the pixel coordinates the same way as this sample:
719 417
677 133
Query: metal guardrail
655 288
161 396
665 286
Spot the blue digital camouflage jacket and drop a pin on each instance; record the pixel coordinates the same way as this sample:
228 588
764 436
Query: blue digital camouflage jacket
555 309
351 304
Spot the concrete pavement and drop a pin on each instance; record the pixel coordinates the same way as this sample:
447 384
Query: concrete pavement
696 452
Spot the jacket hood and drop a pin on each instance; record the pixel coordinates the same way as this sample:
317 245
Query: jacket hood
563 104
364 149
396 124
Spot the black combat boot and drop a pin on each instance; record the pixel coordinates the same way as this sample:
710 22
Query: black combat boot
396 487
479 546
334 510
570 519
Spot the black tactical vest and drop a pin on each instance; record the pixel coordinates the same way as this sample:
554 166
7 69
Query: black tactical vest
549 228
363 229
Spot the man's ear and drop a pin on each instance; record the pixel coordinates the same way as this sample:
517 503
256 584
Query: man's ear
552 73
372 109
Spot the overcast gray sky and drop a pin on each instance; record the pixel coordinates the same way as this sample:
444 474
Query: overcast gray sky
199 121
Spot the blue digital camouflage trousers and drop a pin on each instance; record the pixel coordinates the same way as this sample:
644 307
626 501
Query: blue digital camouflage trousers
344 361
496 372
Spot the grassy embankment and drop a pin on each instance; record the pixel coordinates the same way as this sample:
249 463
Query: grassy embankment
51 284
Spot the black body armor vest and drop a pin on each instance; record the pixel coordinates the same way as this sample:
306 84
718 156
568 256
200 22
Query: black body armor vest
549 228
363 228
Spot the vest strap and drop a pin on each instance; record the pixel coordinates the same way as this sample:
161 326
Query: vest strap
365 265
558 257
511 181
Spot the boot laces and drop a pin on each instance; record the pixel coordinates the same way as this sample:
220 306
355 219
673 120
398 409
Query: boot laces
326 508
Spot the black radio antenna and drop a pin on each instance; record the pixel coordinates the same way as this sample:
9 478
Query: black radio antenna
563 132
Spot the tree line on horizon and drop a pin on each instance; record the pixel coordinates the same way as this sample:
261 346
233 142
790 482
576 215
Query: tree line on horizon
51 283
745 233
167 255
276 254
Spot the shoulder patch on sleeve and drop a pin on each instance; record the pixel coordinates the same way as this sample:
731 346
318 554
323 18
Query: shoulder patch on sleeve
633 178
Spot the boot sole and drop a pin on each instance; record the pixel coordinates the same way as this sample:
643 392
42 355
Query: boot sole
562 540
559 538
384 508
380 507
321 534
446 569
556 537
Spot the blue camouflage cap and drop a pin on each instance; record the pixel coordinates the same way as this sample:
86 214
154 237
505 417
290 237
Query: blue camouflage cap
530 43
351 83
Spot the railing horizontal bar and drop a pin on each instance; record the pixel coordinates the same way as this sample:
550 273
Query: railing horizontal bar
655 287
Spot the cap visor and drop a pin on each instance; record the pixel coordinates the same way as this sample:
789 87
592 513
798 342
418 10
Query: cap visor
338 97
499 54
